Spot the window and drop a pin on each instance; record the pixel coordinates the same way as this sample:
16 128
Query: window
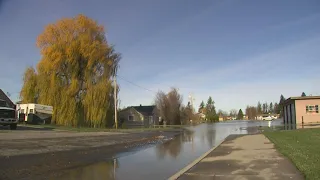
3 103
150 119
312 109
31 110
130 118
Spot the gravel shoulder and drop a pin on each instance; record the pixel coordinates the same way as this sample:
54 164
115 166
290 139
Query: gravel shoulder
24 155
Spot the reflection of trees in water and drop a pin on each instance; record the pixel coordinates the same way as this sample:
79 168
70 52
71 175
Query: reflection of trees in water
187 136
211 133
174 146
103 170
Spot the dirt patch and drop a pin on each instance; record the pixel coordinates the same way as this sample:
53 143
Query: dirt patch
84 151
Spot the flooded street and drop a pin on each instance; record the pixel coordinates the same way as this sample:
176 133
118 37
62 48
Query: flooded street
161 161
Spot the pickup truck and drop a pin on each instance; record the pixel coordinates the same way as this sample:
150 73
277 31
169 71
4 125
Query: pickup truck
8 116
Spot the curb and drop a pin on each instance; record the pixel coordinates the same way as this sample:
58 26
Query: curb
189 166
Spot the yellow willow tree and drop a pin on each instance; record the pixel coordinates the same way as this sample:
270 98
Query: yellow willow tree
75 72
29 90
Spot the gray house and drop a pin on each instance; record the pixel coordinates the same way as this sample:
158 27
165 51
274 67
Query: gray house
139 116
6 100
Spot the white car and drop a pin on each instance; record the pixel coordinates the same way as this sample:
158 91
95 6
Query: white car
267 118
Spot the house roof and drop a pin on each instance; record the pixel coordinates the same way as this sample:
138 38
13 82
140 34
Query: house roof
301 98
304 97
144 110
4 97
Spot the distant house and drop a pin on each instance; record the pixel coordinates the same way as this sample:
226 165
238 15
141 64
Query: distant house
229 118
139 116
6 99
221 118
201 115
297 110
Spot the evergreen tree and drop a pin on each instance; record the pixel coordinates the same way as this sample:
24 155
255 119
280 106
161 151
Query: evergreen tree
240 115
276 109
303 94
267 107
259 108
201 107
282 99
271 108
211 114
264 108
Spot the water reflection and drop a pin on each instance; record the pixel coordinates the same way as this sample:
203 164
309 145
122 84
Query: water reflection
102 170
163 160
173 147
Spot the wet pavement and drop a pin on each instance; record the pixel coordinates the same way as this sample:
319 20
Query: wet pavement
244 157
161 161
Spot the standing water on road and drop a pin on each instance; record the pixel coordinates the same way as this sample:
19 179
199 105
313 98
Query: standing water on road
163 160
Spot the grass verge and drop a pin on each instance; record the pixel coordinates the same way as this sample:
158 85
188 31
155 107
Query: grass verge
302 147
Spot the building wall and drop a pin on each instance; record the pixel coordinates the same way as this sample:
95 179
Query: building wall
137 117
284 113
156 116
301 111
139 120
24 109
289 116
293 113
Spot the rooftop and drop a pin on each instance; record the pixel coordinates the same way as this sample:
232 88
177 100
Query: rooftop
4 97
145 110
304 97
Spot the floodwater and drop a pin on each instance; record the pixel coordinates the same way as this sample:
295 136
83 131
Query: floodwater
161 161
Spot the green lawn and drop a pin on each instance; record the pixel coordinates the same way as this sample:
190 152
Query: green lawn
302 147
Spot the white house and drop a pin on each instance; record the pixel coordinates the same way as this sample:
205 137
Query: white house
39 110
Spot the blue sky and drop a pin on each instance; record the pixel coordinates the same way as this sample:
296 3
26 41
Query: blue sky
238 51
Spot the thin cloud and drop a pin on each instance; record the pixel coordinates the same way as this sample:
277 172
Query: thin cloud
263 77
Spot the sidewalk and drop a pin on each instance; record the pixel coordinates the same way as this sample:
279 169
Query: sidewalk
244 157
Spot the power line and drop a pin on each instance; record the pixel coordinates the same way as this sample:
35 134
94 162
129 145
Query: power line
135 84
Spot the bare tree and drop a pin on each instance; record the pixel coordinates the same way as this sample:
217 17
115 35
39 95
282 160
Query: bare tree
251 112
175 102
233 112
162 104
169 106
187 114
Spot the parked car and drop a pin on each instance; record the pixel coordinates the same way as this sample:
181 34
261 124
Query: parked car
267 118
8 116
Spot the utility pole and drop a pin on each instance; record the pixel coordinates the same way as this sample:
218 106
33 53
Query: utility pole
115 102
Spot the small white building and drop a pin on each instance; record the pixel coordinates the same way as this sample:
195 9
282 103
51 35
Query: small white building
267 116
39 110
